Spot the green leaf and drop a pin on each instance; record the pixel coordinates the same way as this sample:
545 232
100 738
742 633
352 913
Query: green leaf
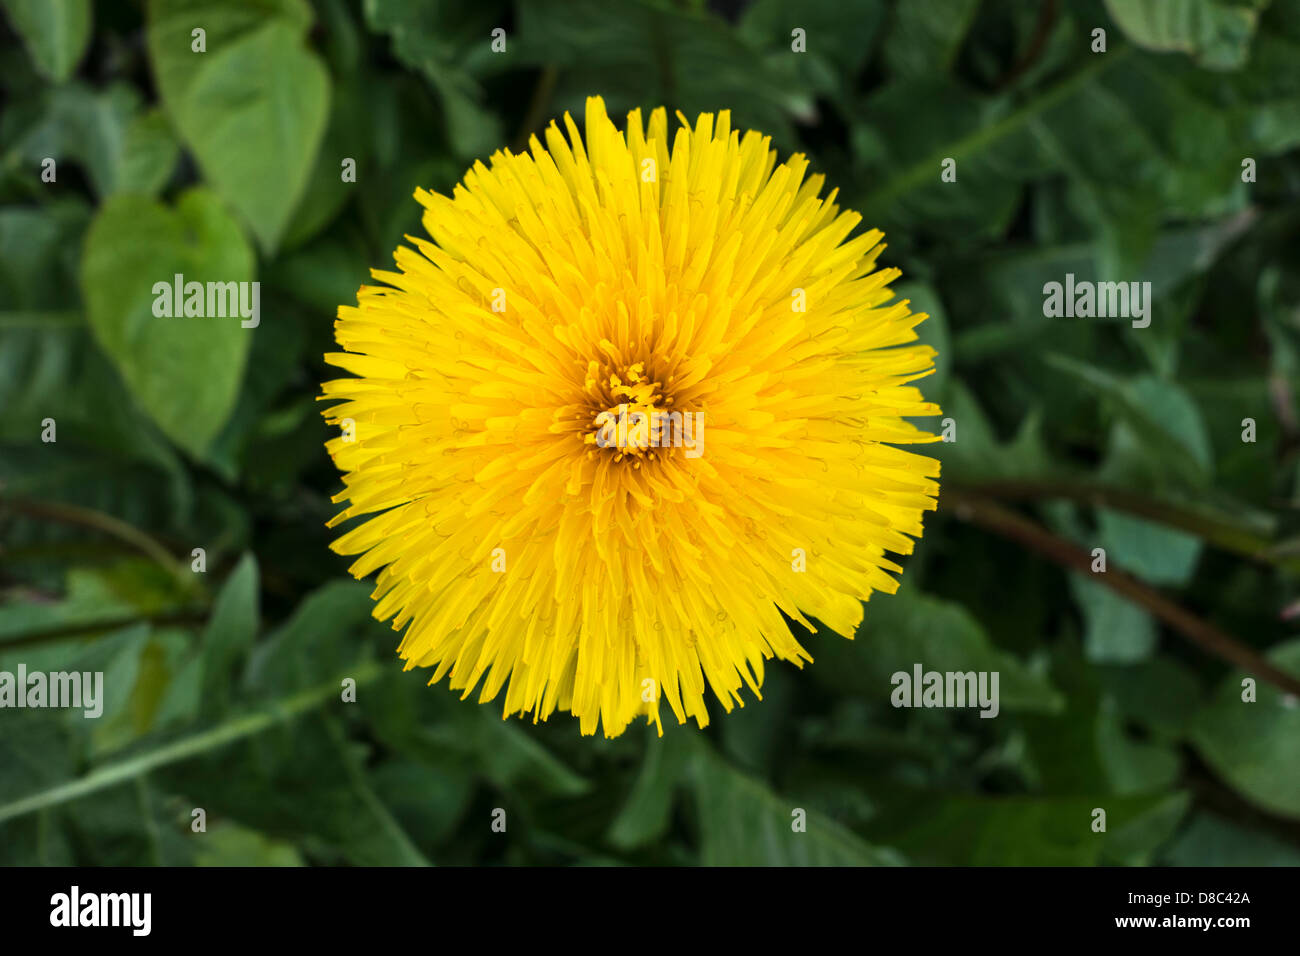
148 155
977 830
310 789
435 727
121 146
1225 402
924 37
1215 33
976 454
325 274
183 371
127 826
106 776
1134 765
326 193
506 753
38 265
55 32
1253 745
51 367
1118 119
645 816
1138 839
1152 552
449 41
117 593
253 107
1064 749
228 636
832 56
1212 840
644 55
428 801
908 628
35 842
392 842
270 433
330 630
1164 421
1115 630
229 844
743 823
34 754
1010 284
1161 695
906 150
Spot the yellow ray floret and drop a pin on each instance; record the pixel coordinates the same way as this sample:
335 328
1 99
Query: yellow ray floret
635 399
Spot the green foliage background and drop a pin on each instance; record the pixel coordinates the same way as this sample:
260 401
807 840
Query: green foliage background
224 687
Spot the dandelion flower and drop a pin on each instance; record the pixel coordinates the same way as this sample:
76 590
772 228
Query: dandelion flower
629 412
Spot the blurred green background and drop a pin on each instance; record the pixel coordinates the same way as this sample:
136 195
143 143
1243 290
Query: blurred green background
1072 434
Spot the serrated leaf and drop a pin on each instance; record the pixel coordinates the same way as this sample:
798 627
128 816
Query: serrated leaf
743 823
322 638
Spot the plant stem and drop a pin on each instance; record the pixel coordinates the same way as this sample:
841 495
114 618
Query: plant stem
1254 544
409 852
1009 524
89 518
923 171
232 730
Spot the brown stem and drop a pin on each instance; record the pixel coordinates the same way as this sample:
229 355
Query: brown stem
89 518
1212 528
1047 14
1203 634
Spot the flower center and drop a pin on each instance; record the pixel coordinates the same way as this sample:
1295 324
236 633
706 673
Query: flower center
629 411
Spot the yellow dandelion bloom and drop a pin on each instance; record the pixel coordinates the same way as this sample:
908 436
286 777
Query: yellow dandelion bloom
635 399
